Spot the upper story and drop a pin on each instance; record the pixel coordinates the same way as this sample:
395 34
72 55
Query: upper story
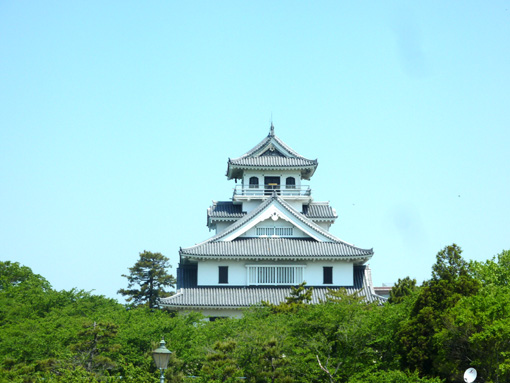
271 166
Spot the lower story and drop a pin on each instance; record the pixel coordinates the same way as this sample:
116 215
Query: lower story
230 301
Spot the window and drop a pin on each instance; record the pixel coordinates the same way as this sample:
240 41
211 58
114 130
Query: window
290 183
328 275
270 184
275 275
278 231
223 274
254 183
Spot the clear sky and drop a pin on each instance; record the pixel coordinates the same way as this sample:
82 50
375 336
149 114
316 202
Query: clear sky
117 119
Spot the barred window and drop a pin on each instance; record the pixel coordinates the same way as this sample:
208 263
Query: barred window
279 231
275 275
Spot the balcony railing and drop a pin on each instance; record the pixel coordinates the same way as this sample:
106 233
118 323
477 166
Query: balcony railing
297 191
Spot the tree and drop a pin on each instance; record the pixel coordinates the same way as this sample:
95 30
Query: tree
13 274
272 362
493 271
392 376
299 297
402 289
220 367
95 343
477 334
150 276
477 330
450 282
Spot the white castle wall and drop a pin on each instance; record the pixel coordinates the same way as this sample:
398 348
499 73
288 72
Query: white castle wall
237 274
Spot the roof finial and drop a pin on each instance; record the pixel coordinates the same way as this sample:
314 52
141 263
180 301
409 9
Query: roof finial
271 130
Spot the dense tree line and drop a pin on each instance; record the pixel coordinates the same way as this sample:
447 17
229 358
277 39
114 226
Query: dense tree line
459 318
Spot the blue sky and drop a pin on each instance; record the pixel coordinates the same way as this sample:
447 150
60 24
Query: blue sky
117 120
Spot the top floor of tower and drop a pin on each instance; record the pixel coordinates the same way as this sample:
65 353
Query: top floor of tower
271 167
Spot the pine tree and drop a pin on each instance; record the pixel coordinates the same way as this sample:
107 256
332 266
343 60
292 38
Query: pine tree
148 279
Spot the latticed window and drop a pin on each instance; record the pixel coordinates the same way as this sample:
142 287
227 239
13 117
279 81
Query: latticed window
279 231
254 182
275 275
290 183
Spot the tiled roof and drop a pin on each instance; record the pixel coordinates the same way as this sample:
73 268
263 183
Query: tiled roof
277 249
261 146
273 162
319 210
241 297
240 248
227 210
259 158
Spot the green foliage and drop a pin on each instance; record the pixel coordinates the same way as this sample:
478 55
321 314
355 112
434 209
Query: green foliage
272 362
450 282
449 264
13 274
456 320
94 345
220 365
299 297
494 271
148 279
402 289
477 334
392 376
299 294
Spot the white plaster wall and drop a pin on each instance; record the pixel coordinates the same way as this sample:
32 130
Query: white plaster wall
250 205
220 226
207 274
282 174
343 273
324 225
297 205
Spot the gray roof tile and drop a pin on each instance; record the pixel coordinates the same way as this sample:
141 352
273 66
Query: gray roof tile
273 162
227 210
277 248
319 210
227 248
241 297
258 158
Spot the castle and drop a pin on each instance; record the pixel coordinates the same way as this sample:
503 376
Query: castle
269 237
